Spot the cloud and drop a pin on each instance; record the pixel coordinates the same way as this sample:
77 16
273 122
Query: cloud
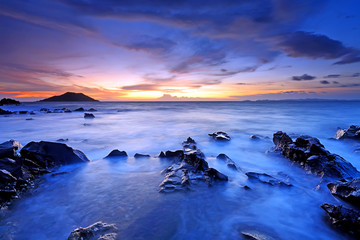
332 76
324 82
151 44
335 82
304 77
142 87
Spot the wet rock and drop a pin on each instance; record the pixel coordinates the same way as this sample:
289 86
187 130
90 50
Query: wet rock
353 132
117 153
92 110
9 101
172 154
79 110
139 155
344 218
8 149
97 231
188 170
313 157
221 136
89 115
5 112
230 163
255 235
52 154
347 190
266 178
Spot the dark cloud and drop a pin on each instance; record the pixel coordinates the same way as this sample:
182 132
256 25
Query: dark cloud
335 82
324 82
225 73
332 76
149 44
304 77
142 87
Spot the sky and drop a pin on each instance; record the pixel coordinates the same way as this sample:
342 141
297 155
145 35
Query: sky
115 50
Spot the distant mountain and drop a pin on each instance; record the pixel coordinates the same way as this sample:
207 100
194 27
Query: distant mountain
8 101
70 97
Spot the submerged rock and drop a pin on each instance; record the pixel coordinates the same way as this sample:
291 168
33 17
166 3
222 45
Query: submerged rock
89 115
347 190
52 154
230 163
344 218
313 157
353 132
117 153
266 178
5 112
188 169
97 231
221 136
92 110
139 155
79 110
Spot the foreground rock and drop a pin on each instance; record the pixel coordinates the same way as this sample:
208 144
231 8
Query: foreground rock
266 178
9 101
97 231
347 190
5 112
189 169
353 132
9 148
313 157
117 153
230 163
220 136
344 218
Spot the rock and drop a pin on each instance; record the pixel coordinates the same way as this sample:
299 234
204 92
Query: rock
117 153
353 132
313 157
255 235
62 140
172 154
44 110
29 119
70 97
189 169
97 231
221 136
139 155
8 101
89 115
266 178
344 218
5 112
92 110
8 149
347 190
230 163
32 113
79 110
255 137
23 112
52 154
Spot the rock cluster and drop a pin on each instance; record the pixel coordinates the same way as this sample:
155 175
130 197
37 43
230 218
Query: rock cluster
189 168
5 112
353 132
96 231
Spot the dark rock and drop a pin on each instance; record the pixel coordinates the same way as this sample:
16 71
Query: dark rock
255 137
44 110
70 97
51 154
353 132
313 157
221 136
5 112
344 218
117 153
62 140
23 112
97 231
28 119
256 235
347 190
139 155
92 110
266 178
79 110
8 149
172 154
8 101
32 113
89 115
190 168
230 163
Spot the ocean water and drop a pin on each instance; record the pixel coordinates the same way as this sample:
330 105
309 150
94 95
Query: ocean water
125 192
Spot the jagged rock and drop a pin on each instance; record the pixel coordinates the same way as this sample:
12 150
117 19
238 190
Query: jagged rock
221 136
353 132
139 155
79 110
230 163
9 101
5 112
266 178
52 154
189 169
172 154
89 115
313 157
117 153
344 218
97 231
347 190
8 149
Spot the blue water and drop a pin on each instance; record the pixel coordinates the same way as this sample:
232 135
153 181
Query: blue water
125 192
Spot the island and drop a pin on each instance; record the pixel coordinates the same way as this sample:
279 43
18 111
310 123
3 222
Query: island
70 97
8 101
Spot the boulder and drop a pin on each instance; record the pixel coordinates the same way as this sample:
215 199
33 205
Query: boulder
230 163
313 157
139 155
347 190
52 154
221 136
92 110
344 218
5 112
89 115
117 153
8 149
79 110
353 132
96 231
267 179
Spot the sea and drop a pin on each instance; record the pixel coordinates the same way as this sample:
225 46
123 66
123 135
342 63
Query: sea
125 192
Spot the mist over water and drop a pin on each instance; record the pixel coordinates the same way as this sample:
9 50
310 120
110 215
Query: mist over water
125 192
